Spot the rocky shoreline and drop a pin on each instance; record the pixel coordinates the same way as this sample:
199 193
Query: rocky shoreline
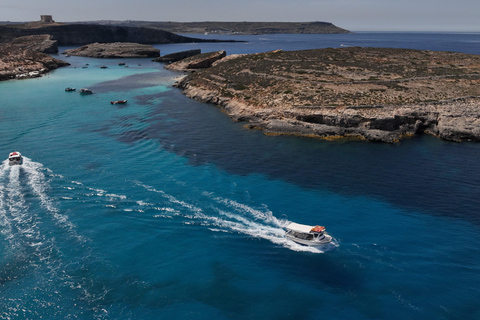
369 94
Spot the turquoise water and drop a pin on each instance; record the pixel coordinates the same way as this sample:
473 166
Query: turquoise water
163 208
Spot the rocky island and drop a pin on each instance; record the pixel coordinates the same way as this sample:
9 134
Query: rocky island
375 94
115 50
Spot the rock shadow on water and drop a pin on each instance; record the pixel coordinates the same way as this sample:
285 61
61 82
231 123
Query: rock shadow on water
131 82
223 292
148 99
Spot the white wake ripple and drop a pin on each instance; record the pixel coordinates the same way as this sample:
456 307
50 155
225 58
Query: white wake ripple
236 217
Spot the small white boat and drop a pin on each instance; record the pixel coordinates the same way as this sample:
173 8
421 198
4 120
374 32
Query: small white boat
307 235
15 158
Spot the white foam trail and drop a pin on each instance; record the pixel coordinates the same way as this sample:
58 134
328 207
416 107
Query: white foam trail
26 237
6 228
24 223
39 185
241 218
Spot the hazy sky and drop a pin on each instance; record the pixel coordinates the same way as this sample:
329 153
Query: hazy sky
354 15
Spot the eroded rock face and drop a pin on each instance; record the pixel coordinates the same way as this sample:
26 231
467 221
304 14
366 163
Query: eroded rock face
20 59
362 93
115 50
200 61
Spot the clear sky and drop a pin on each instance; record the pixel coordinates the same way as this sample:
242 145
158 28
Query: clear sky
354 15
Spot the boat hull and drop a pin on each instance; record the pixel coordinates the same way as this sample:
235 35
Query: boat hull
15 162
311 243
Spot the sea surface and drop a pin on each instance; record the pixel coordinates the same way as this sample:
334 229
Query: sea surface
164 208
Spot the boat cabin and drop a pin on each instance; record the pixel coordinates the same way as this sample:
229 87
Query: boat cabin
15 158
305 234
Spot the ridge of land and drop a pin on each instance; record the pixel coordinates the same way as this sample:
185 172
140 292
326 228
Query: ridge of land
219 27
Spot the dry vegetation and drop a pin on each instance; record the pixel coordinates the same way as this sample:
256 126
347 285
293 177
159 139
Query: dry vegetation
343 77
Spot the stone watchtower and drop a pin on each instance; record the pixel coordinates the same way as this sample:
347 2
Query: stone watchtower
46 18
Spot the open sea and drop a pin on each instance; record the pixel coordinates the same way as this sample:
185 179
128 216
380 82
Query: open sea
164 208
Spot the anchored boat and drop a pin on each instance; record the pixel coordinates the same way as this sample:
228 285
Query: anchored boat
118 102
85 91
15 158
307 235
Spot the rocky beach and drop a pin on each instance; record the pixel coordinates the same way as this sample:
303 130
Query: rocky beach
374 94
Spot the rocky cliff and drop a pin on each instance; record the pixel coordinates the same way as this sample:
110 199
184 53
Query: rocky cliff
375 94
75 34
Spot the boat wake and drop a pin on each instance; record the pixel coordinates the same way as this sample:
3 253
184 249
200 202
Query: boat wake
35 237
226 215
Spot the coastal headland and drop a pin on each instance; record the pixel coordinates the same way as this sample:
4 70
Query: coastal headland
27 57
375 94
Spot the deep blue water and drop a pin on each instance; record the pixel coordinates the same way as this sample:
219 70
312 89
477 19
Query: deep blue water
164 208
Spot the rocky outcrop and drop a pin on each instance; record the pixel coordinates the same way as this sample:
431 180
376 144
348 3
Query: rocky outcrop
19 59
200 61
352 93
41 43
177 56
115 50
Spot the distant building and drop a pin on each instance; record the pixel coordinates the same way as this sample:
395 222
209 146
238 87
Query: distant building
46 18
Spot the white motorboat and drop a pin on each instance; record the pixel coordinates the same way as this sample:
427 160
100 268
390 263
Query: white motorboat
15 158
307 235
